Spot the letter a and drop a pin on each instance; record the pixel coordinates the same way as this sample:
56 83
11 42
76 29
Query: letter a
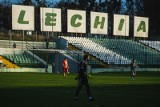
142 26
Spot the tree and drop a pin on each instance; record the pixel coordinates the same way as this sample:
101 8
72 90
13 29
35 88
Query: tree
139 7
38 5
27 2
5 15
41 3
151 10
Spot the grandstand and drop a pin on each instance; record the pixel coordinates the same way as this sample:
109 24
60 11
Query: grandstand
33 57
153 44
131 50
117 51
20 57
7 63
105 53
97 50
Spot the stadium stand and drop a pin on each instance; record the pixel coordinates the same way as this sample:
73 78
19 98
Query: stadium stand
97 50
19 56
117 51
104 52
132 50
153 44
21 59
33 56
7 63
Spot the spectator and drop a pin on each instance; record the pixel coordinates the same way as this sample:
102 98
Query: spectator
47 42
14 45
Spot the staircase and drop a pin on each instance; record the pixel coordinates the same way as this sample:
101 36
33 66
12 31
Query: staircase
94 62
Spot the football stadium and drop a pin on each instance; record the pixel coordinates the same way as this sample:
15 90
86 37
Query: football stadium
36 36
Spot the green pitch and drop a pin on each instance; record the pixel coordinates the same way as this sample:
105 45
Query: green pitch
54 90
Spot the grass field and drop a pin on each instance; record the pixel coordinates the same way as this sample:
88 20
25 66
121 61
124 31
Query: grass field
54 90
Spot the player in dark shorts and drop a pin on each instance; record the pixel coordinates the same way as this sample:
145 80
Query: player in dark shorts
83 80
133 69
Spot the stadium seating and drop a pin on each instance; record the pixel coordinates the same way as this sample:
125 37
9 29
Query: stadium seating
153 44
7 63
116 51
21 59
97 50
131 49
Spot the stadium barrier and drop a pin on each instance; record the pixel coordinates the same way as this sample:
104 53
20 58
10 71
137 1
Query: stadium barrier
123 69
39 70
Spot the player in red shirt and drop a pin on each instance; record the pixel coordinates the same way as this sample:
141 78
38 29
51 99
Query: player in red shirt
65 67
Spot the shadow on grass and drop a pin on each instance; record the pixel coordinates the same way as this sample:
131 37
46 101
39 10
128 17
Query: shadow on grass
106 96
